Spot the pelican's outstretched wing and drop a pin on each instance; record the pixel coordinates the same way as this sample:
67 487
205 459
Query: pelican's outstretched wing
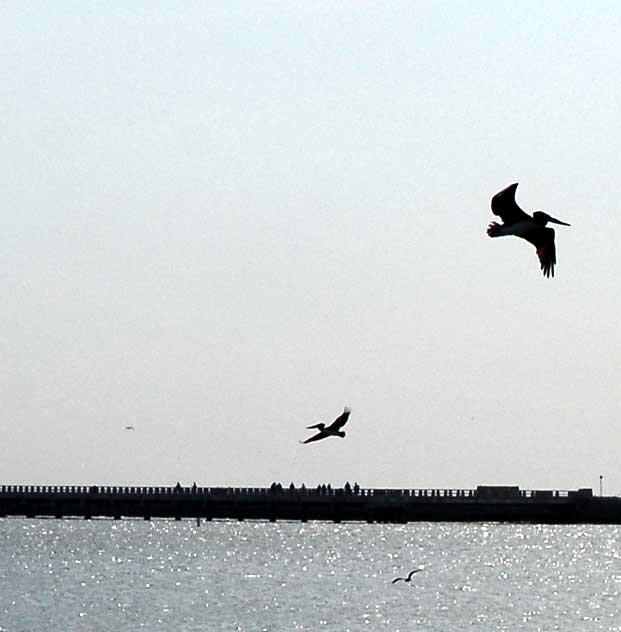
543 240
505 206
416 570
341 420
320 425
319 435
398 579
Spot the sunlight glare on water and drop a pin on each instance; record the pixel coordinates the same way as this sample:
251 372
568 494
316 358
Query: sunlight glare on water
249 576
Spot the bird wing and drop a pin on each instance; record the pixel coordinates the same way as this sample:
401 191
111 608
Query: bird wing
543 240
317 437
398 579
505 206
341 420
320 425
416 570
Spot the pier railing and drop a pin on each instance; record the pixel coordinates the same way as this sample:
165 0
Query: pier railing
441 493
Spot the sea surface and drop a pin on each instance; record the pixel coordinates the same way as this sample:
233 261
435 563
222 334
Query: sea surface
123 576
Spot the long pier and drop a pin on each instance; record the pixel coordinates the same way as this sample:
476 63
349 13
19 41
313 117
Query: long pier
485 503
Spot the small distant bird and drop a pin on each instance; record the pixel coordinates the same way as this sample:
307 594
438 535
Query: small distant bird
129 427
533 229
408 578
333 430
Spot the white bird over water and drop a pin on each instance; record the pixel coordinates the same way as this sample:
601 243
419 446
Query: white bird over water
333 430
533 229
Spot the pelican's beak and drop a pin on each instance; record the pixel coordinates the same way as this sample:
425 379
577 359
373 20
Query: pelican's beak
557 221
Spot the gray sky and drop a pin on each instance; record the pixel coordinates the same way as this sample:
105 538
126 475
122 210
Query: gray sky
223 222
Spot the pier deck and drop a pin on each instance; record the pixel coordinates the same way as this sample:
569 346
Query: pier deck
485 503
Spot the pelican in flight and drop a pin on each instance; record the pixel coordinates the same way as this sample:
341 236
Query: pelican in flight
408 578
333 430
533 229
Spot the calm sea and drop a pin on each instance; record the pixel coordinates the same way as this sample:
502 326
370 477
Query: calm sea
165 575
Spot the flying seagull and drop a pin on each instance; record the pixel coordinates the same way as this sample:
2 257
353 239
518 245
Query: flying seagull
333 430
533 229
129 427
408 578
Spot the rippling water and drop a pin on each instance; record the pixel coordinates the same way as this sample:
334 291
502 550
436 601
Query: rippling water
166 575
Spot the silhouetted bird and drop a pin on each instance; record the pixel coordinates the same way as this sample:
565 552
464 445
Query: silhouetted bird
333 430
533 229
129 427
408 578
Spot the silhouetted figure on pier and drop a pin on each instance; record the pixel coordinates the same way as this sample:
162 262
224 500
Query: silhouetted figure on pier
194 488
333 430
347 488
408 578
356 489
178 487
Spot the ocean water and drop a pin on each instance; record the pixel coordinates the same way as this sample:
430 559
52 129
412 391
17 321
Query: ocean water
254 576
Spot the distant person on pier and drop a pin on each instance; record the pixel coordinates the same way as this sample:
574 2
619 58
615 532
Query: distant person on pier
194 488
178 487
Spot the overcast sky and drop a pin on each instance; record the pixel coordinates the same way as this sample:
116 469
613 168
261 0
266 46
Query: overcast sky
223 222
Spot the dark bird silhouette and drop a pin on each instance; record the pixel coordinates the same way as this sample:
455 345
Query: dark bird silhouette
533 229
129 427
408 578
333 430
